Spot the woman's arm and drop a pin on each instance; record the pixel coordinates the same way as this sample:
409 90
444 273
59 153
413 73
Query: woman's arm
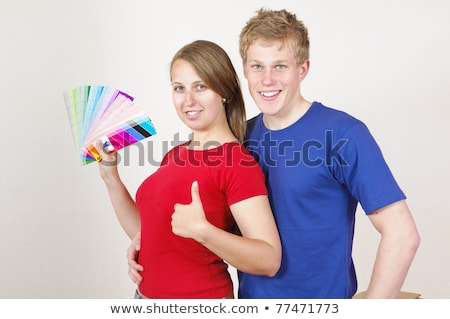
121 200
257 251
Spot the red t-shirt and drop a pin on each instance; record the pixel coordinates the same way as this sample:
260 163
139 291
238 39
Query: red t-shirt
177 267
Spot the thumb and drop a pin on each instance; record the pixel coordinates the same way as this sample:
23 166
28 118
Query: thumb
195 193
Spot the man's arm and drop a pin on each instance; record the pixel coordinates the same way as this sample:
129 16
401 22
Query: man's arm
397 248
134 269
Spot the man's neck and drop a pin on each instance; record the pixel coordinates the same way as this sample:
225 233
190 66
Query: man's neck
282 120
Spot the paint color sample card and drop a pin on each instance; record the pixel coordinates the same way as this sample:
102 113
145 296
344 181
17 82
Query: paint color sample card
107 114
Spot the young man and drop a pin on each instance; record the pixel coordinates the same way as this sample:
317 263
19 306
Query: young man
319 164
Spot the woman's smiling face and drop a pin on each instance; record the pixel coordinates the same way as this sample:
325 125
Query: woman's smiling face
199 107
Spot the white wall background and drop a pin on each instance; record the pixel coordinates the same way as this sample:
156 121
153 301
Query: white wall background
386 62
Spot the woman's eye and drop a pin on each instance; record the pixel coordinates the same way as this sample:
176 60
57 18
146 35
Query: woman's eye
178 88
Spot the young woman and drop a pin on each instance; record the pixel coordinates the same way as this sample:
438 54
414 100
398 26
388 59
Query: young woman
188 211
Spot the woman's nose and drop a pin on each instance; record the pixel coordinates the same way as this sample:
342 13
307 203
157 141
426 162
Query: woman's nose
189 99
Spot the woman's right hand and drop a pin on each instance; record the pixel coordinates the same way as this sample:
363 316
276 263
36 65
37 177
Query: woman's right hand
108 163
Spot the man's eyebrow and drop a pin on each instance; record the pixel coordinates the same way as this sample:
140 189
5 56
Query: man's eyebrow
274 62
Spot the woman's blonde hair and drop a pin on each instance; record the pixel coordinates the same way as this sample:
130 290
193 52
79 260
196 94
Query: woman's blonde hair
275 26
215 68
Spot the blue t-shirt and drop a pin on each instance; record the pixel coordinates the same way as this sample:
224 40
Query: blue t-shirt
317 171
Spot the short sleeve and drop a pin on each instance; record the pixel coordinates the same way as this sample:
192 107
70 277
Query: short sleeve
364 171
241 176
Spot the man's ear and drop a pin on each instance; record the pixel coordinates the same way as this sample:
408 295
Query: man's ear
304 69
245 69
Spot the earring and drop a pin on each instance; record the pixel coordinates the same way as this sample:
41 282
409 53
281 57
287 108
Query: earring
224 100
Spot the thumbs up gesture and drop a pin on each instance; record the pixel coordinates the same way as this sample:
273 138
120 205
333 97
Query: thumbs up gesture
188 220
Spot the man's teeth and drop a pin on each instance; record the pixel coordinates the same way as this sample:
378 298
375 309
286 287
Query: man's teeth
269 94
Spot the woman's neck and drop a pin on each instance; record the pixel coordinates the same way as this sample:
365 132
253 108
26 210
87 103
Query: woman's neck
208 140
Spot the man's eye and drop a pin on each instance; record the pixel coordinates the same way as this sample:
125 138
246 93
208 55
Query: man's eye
280 67
257 67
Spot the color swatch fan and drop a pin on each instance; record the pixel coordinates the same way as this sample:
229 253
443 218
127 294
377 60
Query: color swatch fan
107 114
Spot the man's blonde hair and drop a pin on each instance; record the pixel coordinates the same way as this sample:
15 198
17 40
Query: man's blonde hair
275 26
